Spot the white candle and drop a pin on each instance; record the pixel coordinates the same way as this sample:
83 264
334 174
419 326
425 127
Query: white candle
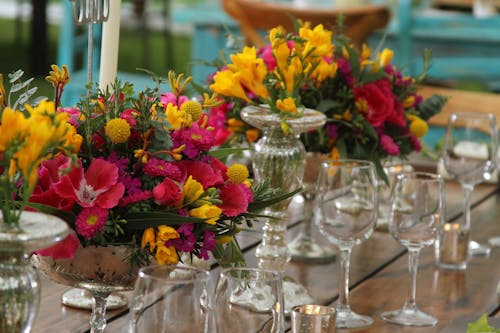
109 45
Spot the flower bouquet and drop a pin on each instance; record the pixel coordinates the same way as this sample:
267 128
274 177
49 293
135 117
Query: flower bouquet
373 111
146 186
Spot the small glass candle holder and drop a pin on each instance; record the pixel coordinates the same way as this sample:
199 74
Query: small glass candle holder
313 319
453 248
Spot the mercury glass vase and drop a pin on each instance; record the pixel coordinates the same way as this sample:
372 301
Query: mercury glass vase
101 270
279 158
19 281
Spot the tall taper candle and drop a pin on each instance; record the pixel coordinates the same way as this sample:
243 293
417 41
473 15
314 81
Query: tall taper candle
109 45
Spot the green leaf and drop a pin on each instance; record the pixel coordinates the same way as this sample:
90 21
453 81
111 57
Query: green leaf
481 325
143 220
259 205
222 153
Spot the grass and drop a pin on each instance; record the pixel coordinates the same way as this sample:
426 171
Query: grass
16 51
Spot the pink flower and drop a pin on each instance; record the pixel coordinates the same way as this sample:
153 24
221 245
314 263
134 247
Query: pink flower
97 187
388 144
74 115
195 138
160 168
134 198
235 199
202 172
49 174
171 98
217 120
64 249
130 115
167 193
417 146
90 221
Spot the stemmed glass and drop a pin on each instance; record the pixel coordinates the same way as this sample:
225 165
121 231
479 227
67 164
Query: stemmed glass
249 300
171 298
469 157
414 220
347 201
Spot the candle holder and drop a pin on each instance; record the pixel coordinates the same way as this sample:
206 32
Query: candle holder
453 246
90 12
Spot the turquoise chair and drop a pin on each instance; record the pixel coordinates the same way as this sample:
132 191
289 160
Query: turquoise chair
463 47
72 51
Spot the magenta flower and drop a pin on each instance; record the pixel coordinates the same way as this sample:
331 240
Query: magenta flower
90 221
98 186
134 198
170 98
195 138
388 145
156 167
187 240
209 244
235 199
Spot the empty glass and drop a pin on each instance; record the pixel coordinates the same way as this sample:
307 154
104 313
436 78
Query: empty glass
249 300
469 157
347 201
415 218
169 298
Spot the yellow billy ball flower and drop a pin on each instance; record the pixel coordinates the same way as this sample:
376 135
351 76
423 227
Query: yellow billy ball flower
193 108
117 130
237 173
418 127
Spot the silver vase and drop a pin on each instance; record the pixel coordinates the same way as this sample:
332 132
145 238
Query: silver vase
19 282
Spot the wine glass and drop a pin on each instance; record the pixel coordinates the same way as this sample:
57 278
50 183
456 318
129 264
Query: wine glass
171 298
347 201
249 300
414 220
469 157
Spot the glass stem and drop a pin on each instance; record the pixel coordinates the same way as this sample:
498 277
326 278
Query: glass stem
345 258
413 256
467 203
98 317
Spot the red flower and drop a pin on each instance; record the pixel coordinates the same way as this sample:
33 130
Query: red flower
381 102
167 193
235 199
97 187
388 144
49 174
64 249
201 172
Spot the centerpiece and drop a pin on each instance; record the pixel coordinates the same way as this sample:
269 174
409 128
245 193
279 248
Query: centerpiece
146 186
373 112
28 136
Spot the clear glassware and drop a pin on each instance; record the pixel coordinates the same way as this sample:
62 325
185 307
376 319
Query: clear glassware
171 298
415 218
19 281
309 245
469 156
279 158
249 300
101 270
348 201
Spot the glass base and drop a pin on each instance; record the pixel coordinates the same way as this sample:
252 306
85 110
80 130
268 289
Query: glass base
349 319
476 249
305 249
409 317
494 241
82 299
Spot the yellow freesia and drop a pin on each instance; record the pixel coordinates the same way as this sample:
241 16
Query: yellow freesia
166 255
191 191
165 233
226 83
209 213
177 117
148 238
286 105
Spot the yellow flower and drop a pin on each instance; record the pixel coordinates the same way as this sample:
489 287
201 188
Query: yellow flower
192 108
165 233
226 83
409 102
148 237
12 125
117 130
58 77
385 57
166 255
191 191
237 173
250 71
418 127
209 213
177 117
234 125
286 105
73 139
3 97
252 134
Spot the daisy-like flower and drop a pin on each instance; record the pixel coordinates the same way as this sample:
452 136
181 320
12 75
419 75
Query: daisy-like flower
90 221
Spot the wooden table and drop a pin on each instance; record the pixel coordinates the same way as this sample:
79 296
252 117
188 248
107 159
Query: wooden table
379 278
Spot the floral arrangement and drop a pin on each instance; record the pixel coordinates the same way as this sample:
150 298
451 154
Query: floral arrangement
145 175
28 137
372 110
